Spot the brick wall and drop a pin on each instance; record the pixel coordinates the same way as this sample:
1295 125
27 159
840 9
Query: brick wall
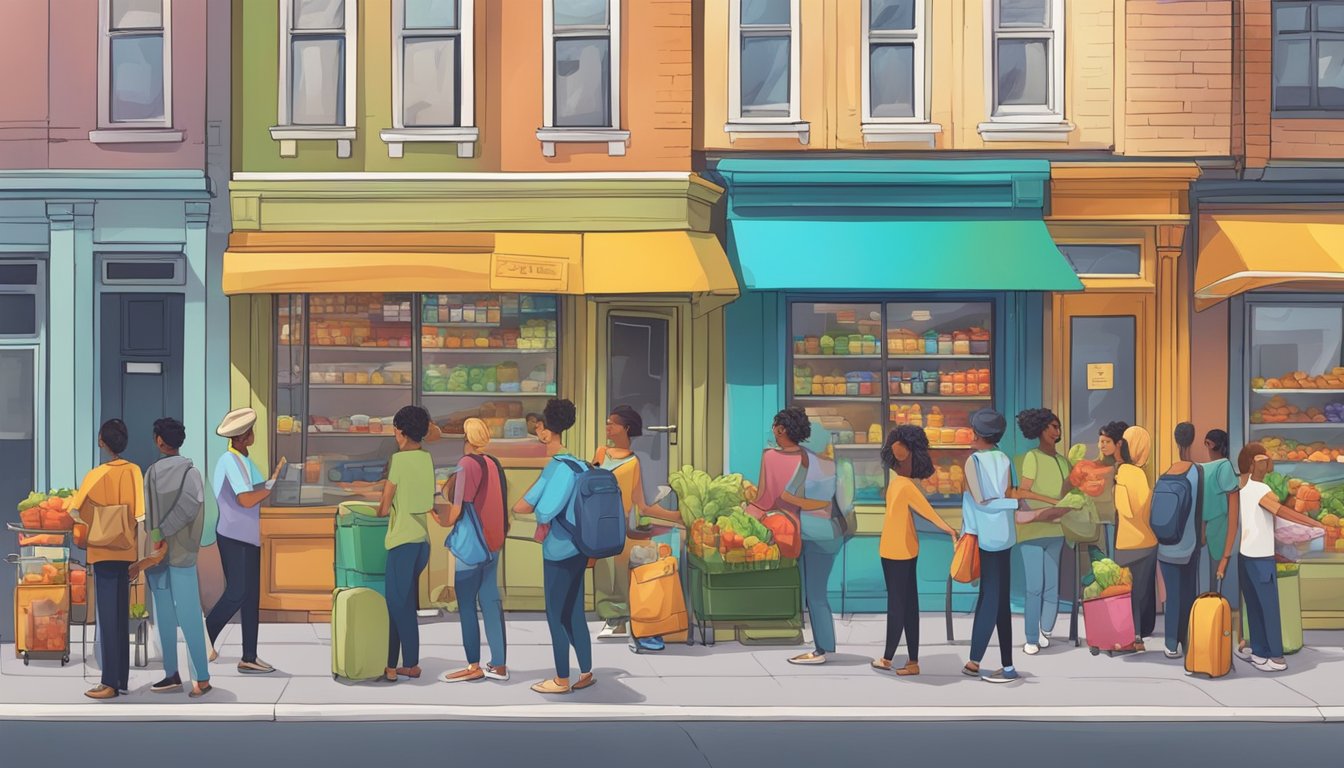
1178 80
1277 138
1090 90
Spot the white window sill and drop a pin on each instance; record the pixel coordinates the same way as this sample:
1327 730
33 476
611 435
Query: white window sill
905 133
464 138
614 138
747 129
290 135
135 136
1042 130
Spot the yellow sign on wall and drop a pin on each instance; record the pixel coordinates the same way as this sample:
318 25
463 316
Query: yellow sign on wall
1100 375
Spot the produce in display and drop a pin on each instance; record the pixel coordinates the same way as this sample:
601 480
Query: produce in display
1278 483
1284 449
1333 379
1279 411
46 511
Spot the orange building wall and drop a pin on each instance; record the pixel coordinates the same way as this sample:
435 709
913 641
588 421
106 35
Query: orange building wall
1178 82
656 88
1208 361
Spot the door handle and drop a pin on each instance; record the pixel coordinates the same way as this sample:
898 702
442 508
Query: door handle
670 430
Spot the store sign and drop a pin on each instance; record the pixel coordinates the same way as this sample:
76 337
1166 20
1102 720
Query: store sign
528 273
1100 375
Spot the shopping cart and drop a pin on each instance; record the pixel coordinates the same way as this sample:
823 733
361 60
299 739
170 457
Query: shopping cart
42 602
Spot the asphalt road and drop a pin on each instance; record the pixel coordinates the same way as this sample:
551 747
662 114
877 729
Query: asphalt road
760 744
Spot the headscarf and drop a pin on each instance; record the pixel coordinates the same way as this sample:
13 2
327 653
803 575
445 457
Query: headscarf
1139 443
477 433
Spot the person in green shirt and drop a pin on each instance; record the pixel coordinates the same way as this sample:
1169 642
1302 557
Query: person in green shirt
1040 541
1221 508
408 496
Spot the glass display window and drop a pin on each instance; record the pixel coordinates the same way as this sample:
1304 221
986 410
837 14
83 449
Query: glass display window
1296 399
860 369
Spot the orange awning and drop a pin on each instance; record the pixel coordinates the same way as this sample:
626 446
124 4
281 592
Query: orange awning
1240 253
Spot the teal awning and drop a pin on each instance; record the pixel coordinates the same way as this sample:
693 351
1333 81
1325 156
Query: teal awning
915 255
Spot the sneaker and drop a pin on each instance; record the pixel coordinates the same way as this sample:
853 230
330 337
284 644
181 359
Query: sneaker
1045 639
1269 665
497 673
255 667
1031 649
1005 675
1170 654
1244 653
651 643
613 630
168 684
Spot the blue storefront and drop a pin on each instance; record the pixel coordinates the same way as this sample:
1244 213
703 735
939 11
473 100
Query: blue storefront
878 292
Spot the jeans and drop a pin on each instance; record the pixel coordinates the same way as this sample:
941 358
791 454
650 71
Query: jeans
992 610
1182 586
1142 565
481 584
818 559
902 606
1040 564
242 593
562 581
177 601
404 566
1208 579
1260 591
112 590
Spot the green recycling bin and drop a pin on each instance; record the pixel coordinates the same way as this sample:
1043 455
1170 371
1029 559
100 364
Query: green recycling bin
1290 609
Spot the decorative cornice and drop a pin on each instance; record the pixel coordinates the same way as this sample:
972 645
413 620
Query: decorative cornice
68 216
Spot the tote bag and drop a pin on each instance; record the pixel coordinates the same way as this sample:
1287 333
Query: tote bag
467 540
966 559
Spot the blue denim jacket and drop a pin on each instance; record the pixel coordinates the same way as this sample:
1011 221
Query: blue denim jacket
994 520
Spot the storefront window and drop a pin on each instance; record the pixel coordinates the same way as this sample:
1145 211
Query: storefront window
860 369
1296 403
345 363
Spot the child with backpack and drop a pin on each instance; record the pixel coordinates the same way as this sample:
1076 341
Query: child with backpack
581 505
1177 519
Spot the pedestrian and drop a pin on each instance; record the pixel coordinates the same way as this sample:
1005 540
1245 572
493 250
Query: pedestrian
175 516
1041 542
563 566
110 501
1222 494
989 505
611 576
240 488
905 454
827 494
1258 572
408 496
1135 542
1179 562
479 490
1108 451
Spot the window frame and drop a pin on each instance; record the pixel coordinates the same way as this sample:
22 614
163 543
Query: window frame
612 32
343 132
1313 37
1054 33
38 290
105 35
465 133
735 36
919 38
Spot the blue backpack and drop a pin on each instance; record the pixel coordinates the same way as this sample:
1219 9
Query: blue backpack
1171 507
595 515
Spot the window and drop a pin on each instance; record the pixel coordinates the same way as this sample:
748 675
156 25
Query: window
1026 77
134 72
1104 260
582 78
763 77
1308 56
432 63
317 82
894 72
20 305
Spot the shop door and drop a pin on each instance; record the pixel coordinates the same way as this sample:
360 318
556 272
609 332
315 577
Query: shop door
18 455
641 372
141 362
1104 364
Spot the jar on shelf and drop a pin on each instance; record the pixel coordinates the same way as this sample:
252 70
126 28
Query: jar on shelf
946 388
907 383
917 383
979 341
944 343
799 345
961 343
812 345
868 384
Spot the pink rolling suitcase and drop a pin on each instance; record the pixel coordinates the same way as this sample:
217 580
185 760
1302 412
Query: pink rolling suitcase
1108 623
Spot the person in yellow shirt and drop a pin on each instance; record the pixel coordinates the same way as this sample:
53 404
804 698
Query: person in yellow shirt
905 454
115 483
1135 542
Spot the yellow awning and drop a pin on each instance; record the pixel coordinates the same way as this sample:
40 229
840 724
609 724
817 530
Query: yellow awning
562 263
1243 253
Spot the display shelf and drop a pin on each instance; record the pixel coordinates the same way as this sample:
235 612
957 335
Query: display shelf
1298 391
465 325
401 351
320 433
938 357
946 398
491 351
837 357
389 387
496 395
1286 425
870 446
839 398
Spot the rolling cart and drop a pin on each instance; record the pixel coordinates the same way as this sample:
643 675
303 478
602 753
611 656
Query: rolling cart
42 597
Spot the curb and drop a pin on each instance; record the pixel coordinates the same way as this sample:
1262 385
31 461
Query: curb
297 713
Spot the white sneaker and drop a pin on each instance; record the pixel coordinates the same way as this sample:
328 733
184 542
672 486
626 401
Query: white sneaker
614 630
1244 653
1045 640
1268 665
494 673
1031 649
1171 654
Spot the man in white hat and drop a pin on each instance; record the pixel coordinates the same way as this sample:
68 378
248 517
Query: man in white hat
240 490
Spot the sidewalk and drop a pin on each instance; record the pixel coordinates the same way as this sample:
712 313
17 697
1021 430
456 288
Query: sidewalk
725 682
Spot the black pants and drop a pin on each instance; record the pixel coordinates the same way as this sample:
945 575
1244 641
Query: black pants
112 593
1142 565
1182 582
902 607
993 610
242 593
